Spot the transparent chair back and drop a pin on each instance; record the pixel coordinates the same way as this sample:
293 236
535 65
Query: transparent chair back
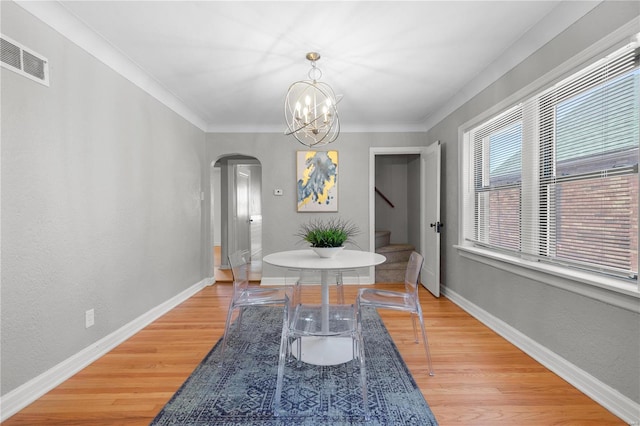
407 301
245 295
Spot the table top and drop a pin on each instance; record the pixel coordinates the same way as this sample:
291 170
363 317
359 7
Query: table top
308 259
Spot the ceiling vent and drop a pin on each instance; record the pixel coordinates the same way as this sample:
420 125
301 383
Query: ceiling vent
24 61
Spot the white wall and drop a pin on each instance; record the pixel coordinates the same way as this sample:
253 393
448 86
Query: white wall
100 203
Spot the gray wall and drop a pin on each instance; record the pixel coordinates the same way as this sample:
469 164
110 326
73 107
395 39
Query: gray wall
599 338
100 203
277 154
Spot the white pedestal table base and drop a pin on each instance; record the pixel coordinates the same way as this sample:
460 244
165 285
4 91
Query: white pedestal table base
324 350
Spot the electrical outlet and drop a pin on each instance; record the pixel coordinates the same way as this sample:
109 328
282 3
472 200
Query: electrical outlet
89 318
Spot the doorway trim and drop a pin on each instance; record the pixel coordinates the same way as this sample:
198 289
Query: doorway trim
373 151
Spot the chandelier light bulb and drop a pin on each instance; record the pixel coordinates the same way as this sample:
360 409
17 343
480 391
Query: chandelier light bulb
318 124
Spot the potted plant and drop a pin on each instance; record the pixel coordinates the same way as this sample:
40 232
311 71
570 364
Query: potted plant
327 237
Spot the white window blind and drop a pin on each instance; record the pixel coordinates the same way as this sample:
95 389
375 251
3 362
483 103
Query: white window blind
498 164
556 177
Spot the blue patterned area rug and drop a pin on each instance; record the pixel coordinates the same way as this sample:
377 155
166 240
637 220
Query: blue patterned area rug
241 392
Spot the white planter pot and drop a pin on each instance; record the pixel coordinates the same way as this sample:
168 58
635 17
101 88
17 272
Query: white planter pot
327 252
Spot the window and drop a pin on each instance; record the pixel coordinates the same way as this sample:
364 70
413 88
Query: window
497 178
555 178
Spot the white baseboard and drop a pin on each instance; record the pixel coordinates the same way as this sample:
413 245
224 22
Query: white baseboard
24 395
620 405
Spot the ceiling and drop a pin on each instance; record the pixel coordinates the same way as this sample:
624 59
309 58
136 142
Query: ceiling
398 65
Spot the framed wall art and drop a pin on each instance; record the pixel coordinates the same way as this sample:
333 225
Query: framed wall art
317 181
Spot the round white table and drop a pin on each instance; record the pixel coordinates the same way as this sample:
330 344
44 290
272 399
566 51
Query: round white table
316 351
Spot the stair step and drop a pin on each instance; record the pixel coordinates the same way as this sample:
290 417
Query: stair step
396 252
382 238
389 266
395 247
395 267
391 272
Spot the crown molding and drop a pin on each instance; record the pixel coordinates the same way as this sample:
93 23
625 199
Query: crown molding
54 14
558 20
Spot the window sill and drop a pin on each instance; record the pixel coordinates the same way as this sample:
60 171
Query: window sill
606 289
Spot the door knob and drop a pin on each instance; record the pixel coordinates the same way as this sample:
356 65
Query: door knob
437 225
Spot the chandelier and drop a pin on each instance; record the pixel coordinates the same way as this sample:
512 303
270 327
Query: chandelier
310 109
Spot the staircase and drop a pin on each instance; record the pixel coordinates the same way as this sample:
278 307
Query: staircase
393 269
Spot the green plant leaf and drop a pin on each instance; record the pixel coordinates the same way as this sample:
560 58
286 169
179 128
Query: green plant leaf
334 232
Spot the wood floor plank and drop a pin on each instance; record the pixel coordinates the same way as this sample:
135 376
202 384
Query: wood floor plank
481 379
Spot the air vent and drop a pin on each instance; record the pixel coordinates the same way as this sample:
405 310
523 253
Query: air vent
24 61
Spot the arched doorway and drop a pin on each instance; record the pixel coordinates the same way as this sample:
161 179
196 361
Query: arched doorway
236 213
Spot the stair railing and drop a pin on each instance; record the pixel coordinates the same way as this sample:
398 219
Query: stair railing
384 198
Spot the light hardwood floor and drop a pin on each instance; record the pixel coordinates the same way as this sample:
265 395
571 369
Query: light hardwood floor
225 275
480 378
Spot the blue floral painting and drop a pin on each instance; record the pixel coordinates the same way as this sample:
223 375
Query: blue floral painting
317 181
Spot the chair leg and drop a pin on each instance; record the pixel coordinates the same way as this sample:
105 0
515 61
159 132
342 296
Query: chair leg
359 356
363 373
415 329
297 284
285 351
284 342
299 354
297 291
239 321
339 285
426 344
339 288
226 334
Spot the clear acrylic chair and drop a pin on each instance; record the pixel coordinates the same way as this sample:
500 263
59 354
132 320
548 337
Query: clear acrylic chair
244 295
407 301
307 276
305 321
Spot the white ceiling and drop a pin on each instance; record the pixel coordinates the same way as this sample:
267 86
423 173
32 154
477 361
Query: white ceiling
399 65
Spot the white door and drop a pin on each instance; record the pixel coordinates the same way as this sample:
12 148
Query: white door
431 250
242 217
